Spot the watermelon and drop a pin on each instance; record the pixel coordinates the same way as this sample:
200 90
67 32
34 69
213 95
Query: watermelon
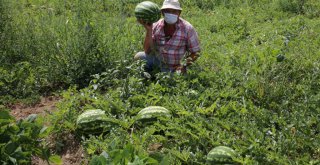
93 121
31 118
280 58
221 155
152 113
148 12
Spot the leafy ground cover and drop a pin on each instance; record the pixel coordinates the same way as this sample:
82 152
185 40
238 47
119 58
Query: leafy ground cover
254 89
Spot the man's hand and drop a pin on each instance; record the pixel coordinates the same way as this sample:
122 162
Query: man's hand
147 26
192 58
181 69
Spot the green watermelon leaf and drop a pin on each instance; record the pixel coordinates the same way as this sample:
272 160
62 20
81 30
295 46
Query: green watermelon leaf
55 159
98 160
4 114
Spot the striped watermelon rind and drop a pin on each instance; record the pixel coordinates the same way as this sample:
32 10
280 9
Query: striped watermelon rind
31 118
148 11
221 155
93 121
153 112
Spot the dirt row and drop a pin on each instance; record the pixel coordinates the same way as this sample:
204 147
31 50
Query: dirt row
73 153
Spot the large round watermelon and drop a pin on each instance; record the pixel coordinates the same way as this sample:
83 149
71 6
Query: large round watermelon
221 155
152 113
93 121
148 12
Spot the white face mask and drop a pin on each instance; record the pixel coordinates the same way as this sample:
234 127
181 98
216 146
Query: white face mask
170 18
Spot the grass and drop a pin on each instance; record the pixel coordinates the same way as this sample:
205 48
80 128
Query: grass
238 93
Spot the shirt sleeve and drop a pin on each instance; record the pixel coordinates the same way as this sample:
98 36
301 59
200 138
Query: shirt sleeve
153 30
193 44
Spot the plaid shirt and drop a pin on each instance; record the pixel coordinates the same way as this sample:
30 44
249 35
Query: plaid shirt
184 39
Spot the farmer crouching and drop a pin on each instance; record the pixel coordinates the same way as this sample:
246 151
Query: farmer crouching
169 41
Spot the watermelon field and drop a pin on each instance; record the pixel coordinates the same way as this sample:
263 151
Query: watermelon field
255 88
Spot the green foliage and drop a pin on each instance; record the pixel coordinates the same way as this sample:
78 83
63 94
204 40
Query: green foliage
20 82
294 6
255 87
22 139
214 118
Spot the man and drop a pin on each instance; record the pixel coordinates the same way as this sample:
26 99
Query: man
169 41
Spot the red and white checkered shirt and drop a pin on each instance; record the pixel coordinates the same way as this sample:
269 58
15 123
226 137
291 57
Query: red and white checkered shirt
171 52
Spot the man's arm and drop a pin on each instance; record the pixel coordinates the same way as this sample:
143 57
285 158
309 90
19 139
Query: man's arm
189 61
192 46
192 58
148 41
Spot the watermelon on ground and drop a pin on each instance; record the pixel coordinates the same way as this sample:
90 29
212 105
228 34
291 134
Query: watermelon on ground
221 155
93 121
152 113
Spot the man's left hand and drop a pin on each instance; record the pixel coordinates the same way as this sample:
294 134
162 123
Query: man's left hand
181 69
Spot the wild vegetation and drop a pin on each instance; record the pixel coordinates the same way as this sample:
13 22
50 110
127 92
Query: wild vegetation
255 88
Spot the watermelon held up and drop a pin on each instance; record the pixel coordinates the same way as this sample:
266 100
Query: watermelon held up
221 155
94 121
152 113
148 12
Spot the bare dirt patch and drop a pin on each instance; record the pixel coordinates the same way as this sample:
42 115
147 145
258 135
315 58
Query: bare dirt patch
47 104
72 152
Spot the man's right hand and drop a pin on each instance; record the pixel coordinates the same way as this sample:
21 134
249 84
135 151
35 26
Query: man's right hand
147 26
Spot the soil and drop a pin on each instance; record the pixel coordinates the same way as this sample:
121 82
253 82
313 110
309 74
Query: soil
72 152
46 104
